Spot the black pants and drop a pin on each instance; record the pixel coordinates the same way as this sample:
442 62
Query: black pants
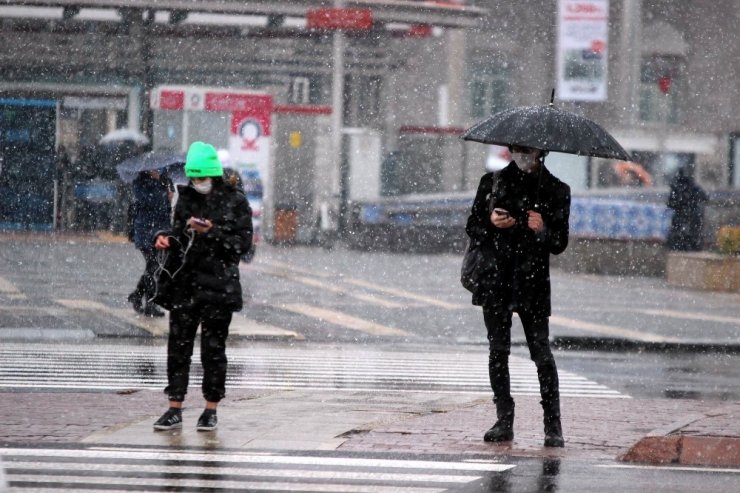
145 286
214 330
537 331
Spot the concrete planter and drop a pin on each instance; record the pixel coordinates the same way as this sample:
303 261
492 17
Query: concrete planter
703 270
612 257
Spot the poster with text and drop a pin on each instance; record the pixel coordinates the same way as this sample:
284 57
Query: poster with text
583 33
249 141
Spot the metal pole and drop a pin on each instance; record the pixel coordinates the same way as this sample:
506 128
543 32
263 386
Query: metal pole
337 114
631 57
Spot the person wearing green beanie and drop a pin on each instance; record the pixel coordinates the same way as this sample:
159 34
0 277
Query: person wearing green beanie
199 283
202 161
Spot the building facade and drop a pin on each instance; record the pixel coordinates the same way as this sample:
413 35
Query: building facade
411 81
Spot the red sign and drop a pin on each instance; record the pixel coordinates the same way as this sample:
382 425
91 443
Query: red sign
344 19
227 101
171 100
664 84
420 31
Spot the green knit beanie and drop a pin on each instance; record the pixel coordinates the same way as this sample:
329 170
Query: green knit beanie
202 161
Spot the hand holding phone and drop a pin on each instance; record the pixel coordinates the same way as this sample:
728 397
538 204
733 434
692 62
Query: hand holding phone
200 222
501 218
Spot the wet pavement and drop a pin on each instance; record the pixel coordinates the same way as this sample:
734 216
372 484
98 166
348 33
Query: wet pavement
347 398
82 372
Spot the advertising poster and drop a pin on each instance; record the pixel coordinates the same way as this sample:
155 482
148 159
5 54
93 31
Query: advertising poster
249 137
583 32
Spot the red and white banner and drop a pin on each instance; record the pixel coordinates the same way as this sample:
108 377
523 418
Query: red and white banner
249 139
583 39
249 126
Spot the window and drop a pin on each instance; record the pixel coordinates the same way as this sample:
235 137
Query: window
489 88
660 87
300 90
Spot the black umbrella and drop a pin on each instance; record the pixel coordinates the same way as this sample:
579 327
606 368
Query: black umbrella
549 129
148 161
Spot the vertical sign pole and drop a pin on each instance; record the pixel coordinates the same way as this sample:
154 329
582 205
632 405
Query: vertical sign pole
337 113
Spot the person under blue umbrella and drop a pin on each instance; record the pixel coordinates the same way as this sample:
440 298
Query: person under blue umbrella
151 213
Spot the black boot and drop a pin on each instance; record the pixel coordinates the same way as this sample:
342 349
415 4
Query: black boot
553 432
152 310
503 430
136 299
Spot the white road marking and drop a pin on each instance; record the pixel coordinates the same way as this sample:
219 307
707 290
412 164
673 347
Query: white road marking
246 471
692 316
155 326
374 287
405 294
216 456
610 330
8 289
205 484
333 288
673 468
347 321
70 366
159 326
156 468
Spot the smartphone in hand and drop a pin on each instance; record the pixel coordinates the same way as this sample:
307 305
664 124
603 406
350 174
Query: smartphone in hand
200 222
502 212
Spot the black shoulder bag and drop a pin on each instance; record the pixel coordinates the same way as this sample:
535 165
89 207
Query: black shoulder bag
474 257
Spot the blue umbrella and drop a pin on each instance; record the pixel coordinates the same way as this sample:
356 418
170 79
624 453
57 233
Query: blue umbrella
148 161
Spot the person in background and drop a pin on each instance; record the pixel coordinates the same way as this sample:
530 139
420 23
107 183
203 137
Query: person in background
687 200
519 222
212 228
150 212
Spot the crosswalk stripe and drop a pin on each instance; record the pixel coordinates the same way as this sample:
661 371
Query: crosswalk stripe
248 471
406 294
241 485
334 288
132 469
250 458
400 293
240 325
692 316
342 319
108 367
610 330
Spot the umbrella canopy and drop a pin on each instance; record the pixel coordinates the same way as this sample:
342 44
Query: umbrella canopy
549 129
124 134
148 161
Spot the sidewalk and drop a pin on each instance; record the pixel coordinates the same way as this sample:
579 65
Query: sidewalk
648 431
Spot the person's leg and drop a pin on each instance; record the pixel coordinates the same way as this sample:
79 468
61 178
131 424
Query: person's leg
498 326
537 332
136 298
214 331
183 326
148 285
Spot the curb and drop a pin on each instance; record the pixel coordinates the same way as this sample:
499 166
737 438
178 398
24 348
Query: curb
586 343
685 450
682 442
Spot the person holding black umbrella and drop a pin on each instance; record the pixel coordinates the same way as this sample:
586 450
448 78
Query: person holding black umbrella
520 217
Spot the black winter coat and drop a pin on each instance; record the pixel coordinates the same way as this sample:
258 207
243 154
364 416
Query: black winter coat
210 273
151 210
517 274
